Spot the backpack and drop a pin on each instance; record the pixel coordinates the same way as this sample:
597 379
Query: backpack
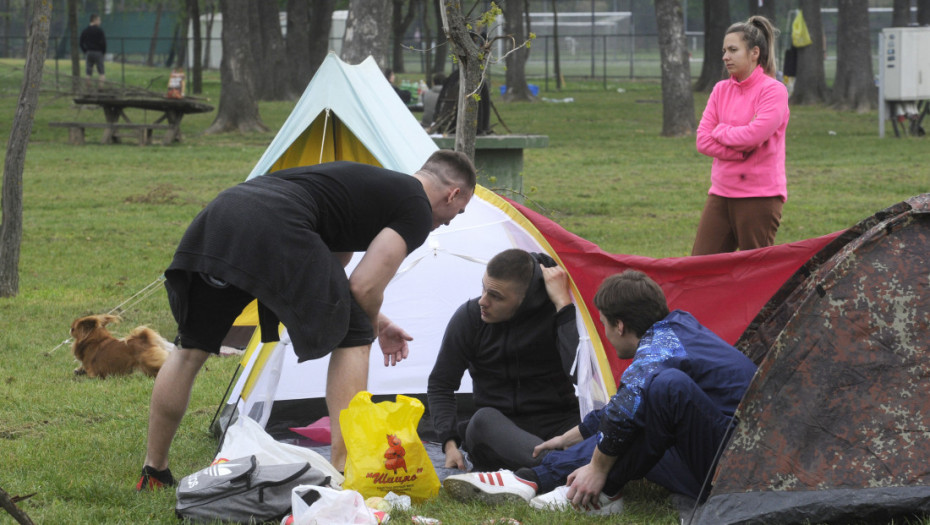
243 491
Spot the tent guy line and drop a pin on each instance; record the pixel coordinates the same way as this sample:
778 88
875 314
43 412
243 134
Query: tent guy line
124 306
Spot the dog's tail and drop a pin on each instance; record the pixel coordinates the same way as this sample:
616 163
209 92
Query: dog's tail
149 351
106 319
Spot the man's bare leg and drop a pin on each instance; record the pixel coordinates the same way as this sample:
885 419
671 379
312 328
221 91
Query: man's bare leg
170 397
347 376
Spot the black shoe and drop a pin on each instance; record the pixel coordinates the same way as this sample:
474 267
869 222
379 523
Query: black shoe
154 479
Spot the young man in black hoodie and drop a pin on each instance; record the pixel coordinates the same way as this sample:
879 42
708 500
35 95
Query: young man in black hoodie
518 342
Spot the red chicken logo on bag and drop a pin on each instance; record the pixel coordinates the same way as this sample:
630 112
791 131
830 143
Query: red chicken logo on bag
394 454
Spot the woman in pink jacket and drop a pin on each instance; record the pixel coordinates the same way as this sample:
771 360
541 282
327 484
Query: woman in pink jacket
743 129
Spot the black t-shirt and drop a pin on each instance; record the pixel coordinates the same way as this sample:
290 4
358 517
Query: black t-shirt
93 39
355 201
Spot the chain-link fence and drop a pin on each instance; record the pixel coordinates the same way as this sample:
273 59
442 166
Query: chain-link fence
612 58
605 57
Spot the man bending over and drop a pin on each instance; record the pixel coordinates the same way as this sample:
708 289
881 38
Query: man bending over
284 239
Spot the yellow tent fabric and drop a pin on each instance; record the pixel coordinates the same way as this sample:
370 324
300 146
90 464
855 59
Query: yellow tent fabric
326 140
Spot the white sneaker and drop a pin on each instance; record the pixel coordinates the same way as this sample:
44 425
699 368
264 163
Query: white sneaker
557 500
490 487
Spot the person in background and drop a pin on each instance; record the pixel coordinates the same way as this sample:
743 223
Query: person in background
93 43
404 95
743 129
431 99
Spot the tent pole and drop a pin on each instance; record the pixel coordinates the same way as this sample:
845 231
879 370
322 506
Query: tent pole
219 407
723 443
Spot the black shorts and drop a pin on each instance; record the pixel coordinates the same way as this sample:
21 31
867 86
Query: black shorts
213 306
94 58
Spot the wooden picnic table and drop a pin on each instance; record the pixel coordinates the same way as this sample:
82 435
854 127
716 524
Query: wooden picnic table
172 112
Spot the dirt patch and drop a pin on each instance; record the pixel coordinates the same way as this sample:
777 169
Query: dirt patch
11 433
161 194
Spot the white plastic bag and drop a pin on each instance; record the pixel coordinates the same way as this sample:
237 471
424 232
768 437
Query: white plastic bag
246 438
332 507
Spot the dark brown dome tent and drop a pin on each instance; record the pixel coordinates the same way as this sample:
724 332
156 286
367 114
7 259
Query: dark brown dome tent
835 427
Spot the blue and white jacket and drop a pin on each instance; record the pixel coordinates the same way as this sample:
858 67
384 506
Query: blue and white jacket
678 341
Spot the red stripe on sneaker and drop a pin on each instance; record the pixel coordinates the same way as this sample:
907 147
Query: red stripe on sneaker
500 479
529 484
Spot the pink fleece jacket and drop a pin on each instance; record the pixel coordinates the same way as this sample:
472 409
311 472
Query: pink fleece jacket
743 129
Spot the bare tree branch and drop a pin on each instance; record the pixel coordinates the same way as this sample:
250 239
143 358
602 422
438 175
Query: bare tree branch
9 504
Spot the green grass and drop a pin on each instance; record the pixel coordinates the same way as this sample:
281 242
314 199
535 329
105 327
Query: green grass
101 223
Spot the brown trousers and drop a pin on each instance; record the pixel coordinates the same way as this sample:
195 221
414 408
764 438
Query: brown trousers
730 224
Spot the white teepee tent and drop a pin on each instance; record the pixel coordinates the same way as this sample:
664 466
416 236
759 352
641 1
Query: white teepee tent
352 113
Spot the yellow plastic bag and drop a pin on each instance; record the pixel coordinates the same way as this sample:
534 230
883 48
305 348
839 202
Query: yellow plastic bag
800 37
385 453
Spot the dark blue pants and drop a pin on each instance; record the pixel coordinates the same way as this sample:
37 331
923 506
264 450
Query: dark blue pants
676 448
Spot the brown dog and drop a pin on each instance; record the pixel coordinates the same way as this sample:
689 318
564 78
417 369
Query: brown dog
102 355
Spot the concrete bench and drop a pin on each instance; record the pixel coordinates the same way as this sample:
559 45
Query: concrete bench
499 160
111 132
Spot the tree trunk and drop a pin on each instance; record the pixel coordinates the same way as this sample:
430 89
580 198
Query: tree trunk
427 44
399 24
515 76
75 46
923 12
677 100
398 30
238 108
767 9
901 13
180 41
811 84
716 22
28 9
467 54
273 80
442 49
5 41
366 32
854 86
321 23
209 7
193 12
150 61
297 44
256 44
556 62
11 199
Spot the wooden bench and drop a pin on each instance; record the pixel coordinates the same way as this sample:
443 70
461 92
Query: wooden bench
111 132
